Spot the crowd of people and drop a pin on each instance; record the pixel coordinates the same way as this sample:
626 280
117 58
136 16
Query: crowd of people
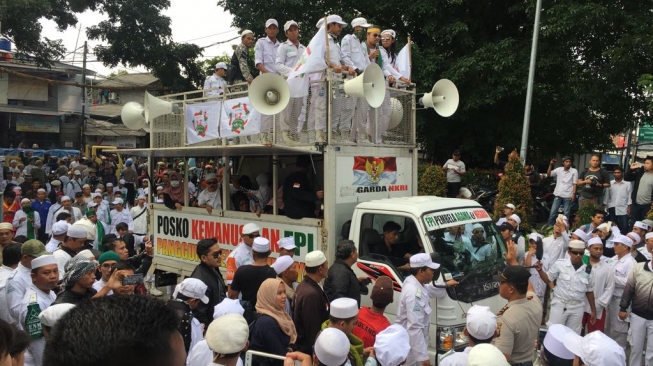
353 120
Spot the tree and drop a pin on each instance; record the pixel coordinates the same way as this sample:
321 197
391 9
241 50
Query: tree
590 57
432 182
136 33
514 188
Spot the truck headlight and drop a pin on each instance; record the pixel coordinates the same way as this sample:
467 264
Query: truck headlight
451 337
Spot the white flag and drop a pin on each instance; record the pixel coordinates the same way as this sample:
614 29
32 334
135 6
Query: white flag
403 62
239 118
202 121
312 60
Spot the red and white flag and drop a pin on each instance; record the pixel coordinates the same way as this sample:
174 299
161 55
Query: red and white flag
311 60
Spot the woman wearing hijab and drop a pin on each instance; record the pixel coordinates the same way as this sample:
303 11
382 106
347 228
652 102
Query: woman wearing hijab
273 331
173 193
262 196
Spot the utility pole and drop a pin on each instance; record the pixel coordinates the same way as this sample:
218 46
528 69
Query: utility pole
82 139
529 89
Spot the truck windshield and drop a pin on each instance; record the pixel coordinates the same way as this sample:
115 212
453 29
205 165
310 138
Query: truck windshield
471 253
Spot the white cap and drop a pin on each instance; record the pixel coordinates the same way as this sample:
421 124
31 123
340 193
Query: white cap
510 205
118 201
193 288
635 237
122 181
486 354
604 226
65 198
319 23
12 161
623 239
98 191
287 243
534 236
53 313
25 200
516 218
641 225
250 228
228 306
595 349
45 260
269 22
581 234
648 235
481 322
289 24
41 190
77 172
86 186
6 226
554 341
389 32
360 22
159 188
76 232
332 347
86 253
59 227
245 32
109 185
209 176
226 342
141 197
261 245
422 260
282 263
221 65
96 194
315 258
648 223
391 345
576 244
91 204
343 308
335 19
56 183
593 241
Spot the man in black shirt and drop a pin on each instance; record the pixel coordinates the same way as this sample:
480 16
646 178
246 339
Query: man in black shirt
389 247
249 278
79 279
298 195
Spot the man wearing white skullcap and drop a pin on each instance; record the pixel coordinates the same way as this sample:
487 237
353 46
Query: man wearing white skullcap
27 221
331 348
75 239
622 264
481 328
343 316
391 347
139 217
553 350
556 245
38 297
287 246
486 355
50 316
594 349
311 303
242 255
415 307
572 287
287 272
602 280
248 279
227 336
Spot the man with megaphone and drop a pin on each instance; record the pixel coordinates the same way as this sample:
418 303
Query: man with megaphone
294 116
265 59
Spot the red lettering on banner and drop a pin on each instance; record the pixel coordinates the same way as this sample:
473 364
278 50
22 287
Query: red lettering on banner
195 234
480 214
209 232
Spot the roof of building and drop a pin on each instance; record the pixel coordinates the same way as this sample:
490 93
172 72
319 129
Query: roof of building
141 79
104 128
106 110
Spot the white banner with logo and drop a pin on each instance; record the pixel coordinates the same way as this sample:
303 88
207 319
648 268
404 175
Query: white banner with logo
202 121
239 118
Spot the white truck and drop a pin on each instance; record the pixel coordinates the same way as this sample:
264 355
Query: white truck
365 186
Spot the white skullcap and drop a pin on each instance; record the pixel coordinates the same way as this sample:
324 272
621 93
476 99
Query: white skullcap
315 259
332 347
623 239
86 253
45 260
389 32
576 244
109 185
481 322
77 172
65 198
343 308
282 263
210 176
50 316
641 225
636 238
261 245
60 227
86 186
228 334
122 181
118 201
392 345
581 235
6 226
554 341
76 232
595 240
287 243
516 218
228 306
648 235
595 349
486 354
534 236
193 288
41 190
25 200
242 34
250 228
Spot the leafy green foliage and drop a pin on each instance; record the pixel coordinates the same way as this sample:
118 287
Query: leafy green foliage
514 188
584 215
432 182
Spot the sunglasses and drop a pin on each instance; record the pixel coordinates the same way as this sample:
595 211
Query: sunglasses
212 183
577 253
385 39
376 35
252 236
216 255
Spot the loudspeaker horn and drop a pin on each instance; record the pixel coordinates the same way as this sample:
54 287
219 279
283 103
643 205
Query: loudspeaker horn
369 85
269 94
443 98
397 114
155 107
133 116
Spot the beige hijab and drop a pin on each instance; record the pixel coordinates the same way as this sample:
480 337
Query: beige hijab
266 304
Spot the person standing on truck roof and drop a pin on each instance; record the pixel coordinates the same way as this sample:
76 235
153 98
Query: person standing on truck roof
298 195
311 303
414 310
242 255
341 280
455 168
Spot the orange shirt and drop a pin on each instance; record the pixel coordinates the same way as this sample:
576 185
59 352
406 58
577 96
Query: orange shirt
369 324
9 211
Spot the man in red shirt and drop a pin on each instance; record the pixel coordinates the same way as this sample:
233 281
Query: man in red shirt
371 320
